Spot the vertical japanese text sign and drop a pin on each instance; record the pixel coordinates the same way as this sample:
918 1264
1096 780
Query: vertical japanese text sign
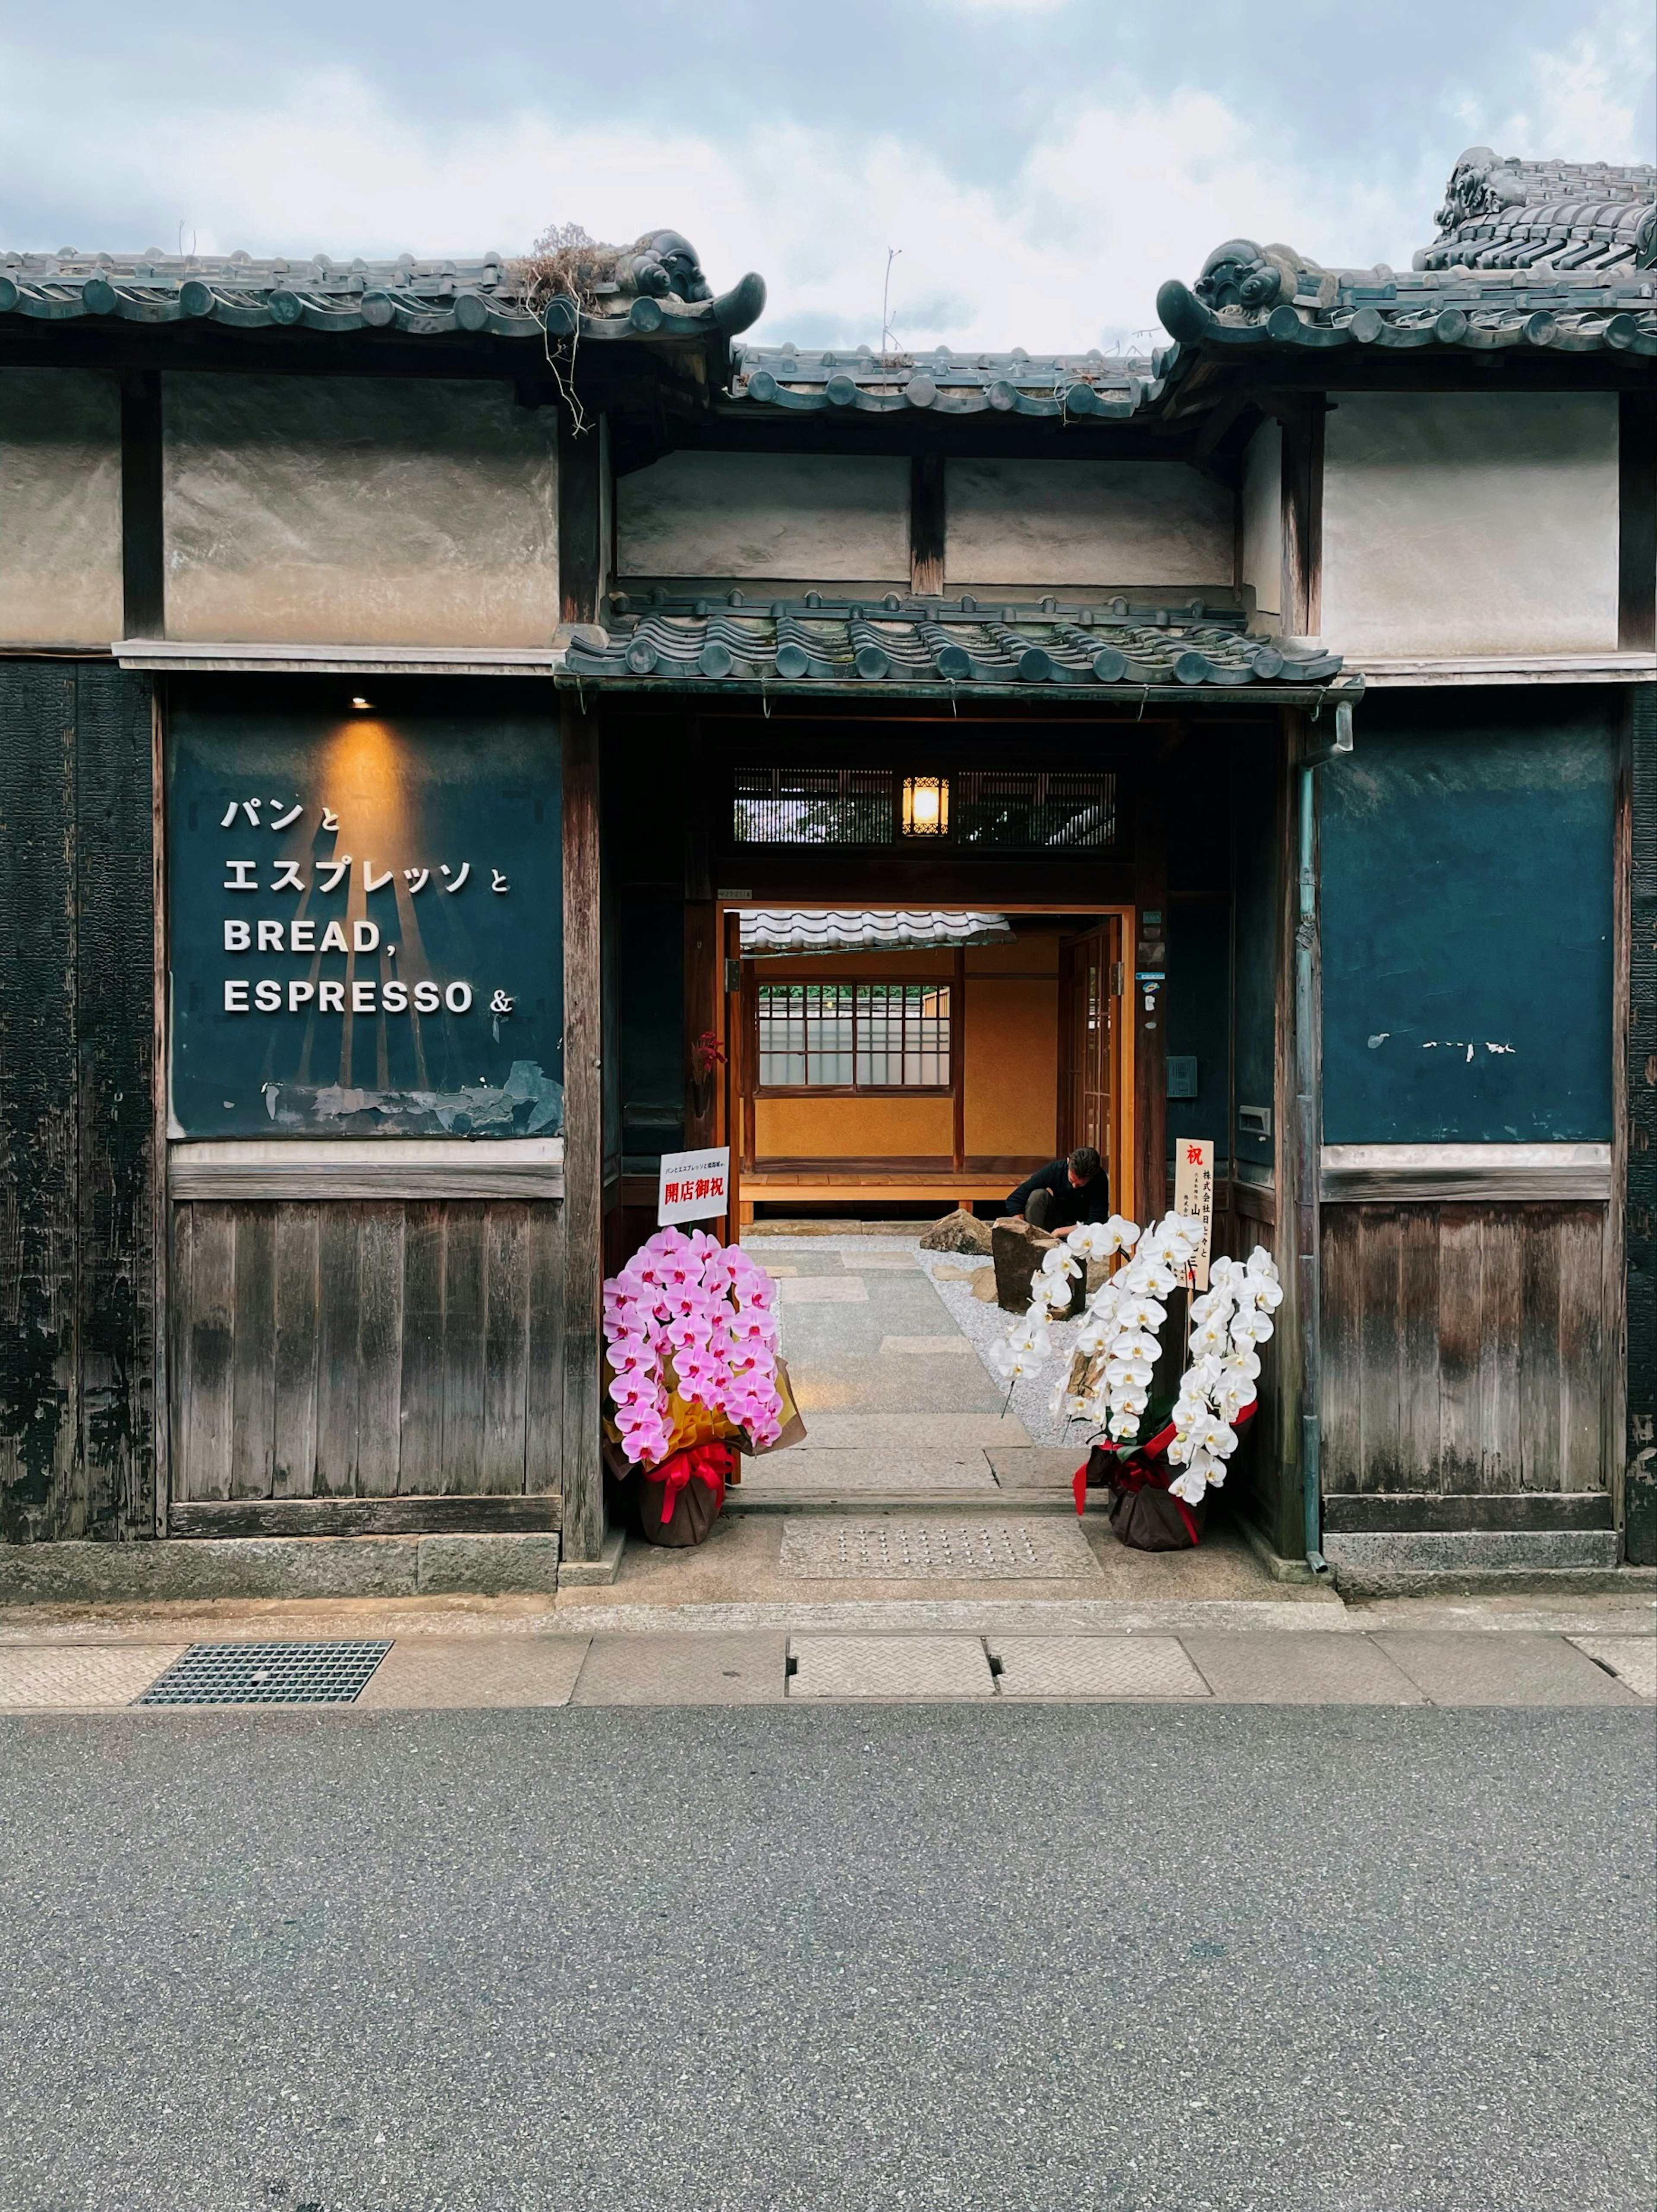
1193 1196
694 1186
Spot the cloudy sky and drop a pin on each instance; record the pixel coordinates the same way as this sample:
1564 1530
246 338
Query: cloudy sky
1040 165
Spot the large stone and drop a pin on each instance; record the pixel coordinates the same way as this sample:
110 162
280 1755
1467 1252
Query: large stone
81 1573
959 1231
1018 1251
488 1566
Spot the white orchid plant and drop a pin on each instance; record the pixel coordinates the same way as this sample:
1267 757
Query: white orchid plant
1108 1382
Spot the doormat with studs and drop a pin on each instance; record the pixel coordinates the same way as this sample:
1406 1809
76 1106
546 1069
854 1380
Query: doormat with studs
893 1548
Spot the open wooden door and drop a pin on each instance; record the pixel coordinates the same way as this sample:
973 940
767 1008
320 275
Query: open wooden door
732 1128
1089 1057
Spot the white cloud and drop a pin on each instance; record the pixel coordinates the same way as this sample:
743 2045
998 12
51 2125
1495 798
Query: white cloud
1066 255
1590 100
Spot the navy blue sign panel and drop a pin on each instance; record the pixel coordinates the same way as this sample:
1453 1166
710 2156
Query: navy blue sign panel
365 911
1467 921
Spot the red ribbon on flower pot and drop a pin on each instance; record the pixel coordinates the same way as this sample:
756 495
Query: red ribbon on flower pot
1146 1467
710 1463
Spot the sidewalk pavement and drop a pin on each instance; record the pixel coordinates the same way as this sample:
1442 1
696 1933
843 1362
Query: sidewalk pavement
370 1663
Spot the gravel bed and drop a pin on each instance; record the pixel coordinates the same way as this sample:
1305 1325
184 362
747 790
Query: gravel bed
983 1325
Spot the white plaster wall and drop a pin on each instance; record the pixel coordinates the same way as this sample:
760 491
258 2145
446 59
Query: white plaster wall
359 510
803 517
60 507
1464 524
1086 522
1262 521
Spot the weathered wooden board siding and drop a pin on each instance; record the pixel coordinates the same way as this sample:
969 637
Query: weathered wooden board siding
1462 1347
365 1349
77 1147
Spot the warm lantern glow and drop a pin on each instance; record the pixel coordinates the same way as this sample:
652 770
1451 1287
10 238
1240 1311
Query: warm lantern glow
925 806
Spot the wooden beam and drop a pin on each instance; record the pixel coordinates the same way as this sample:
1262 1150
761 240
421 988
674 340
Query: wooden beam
928 524
580 515
1303 516
367 1516
583 1136
1636 526
143 558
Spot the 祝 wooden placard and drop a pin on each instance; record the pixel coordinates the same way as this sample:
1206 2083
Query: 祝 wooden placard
1193 1196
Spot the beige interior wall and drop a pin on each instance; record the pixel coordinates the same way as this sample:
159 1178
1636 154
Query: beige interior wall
60 507
894 1126
798 517
360 510
1011 1061
1471 523
1086 524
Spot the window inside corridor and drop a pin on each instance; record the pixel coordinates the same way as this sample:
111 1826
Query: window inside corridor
853 1037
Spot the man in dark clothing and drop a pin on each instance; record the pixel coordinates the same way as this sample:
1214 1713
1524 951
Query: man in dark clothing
1063 1192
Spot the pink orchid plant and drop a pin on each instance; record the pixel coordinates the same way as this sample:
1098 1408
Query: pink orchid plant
691 1315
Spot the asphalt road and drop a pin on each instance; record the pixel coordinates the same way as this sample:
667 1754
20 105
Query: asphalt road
915 1957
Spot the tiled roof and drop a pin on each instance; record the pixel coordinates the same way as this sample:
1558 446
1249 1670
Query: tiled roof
796 930
1502 213
421 299
1086 387
936 641
1531 254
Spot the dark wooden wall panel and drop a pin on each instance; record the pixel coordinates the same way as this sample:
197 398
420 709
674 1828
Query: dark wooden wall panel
77 1289
365 1348
1463 1348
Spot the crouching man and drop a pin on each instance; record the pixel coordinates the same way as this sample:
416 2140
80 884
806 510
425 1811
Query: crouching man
1064 1192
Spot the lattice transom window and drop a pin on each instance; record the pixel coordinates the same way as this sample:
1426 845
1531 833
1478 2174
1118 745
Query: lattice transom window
853 1037
1003 810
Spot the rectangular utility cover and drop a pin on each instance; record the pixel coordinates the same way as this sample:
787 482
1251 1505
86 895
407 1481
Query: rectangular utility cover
267 1675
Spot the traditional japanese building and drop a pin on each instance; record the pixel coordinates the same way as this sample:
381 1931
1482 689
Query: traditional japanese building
467 729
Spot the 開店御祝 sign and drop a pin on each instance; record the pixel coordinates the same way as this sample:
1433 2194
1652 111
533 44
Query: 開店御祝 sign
1194 1195
364 923
694 1186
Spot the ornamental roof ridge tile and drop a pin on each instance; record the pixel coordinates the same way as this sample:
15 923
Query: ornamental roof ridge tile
941 642
1553 254
421 296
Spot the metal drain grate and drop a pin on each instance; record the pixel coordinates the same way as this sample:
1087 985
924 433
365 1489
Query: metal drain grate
890 1549
267 1675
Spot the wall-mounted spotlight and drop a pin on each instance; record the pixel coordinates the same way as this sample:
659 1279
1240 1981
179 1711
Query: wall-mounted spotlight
363 706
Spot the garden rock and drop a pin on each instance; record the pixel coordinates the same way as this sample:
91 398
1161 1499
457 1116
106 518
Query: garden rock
959 1231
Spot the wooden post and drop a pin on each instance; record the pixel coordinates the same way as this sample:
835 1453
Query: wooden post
144 565
160 1224
1148 957
583 1136
1637 509
1303 516
958 1063
580 505
927 523
1637 1133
